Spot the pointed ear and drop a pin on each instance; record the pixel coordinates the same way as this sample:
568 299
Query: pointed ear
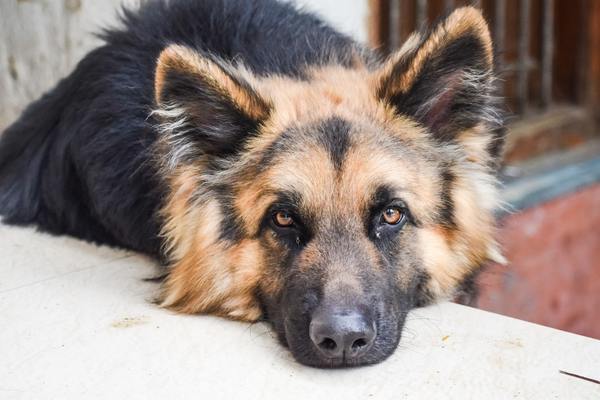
444 78
205 105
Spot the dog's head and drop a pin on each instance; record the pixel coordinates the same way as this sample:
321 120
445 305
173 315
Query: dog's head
335 203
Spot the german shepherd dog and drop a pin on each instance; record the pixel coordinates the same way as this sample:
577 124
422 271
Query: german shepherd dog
278 169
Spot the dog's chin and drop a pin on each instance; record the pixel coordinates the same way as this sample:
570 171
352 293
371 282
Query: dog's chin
305 352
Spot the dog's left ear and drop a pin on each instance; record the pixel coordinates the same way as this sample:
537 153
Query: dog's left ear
443 78
206 105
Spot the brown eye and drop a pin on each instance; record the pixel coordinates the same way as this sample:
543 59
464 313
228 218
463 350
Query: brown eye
392 215
283 219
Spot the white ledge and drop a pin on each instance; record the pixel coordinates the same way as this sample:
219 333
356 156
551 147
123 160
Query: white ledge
77 323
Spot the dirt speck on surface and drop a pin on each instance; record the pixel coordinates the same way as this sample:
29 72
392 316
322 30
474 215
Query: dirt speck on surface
73 5
515 342
129 322
12 68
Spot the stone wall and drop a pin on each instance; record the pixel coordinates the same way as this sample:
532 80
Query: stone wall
42 40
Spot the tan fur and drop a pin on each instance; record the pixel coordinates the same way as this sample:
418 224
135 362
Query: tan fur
368 165
297 102
216 279
206 274
179 222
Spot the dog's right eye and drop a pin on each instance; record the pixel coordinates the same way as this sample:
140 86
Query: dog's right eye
283 219
393 215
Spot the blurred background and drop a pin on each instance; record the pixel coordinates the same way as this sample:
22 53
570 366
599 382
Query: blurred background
549 58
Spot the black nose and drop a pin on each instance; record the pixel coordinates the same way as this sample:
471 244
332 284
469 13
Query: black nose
342 334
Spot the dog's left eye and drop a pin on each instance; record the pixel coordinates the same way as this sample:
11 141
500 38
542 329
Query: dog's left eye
283 219
393 215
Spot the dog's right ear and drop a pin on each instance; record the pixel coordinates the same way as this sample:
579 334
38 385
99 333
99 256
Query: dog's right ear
444 79
204 104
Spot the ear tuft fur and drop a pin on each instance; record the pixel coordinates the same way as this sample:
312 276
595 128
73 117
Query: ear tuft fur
444 78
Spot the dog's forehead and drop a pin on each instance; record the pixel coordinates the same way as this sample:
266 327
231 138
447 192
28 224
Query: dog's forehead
325 91
336 165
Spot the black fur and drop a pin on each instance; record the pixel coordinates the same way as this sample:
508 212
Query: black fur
78 160
231 228
334 136
446 217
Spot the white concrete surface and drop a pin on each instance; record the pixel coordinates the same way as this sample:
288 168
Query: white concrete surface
77 323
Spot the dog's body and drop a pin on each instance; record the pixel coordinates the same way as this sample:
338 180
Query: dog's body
279 168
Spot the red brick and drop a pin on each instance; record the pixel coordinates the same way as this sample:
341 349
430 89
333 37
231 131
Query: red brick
553 276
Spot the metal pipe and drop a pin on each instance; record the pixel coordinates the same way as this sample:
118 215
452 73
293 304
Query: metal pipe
523 50
499 24
499 36
421 13
448 5
547 51
395 33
